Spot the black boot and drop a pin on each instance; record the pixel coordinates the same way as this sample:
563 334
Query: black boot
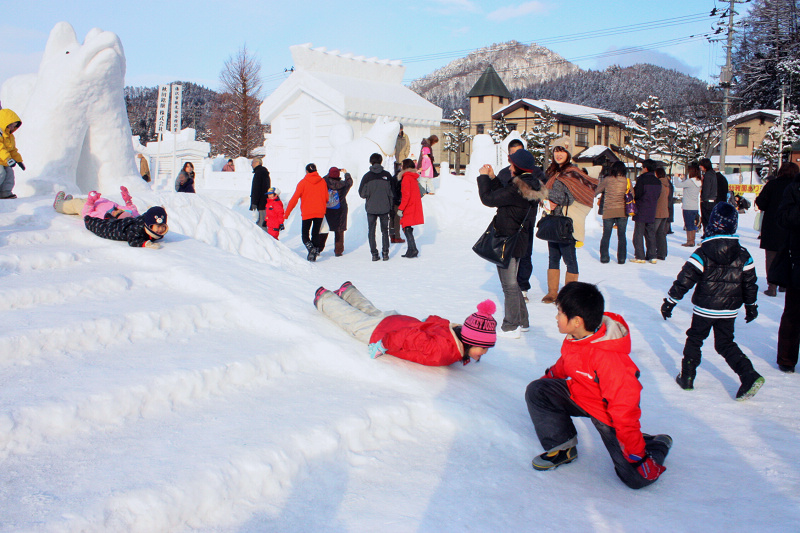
375 256
688 371
412 244
312 252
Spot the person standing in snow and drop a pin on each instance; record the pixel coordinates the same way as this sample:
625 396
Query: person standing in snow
426 164
376 189
258 191
515 203
773 237
143 231
788 218
273 219
9 156
144 167
594 378
724 277
662 214
708 190
646 193
312 192
690 202
185 180
410 208
614 186
336 208
431 342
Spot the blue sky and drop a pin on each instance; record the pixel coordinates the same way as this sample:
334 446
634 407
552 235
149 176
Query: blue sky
190 41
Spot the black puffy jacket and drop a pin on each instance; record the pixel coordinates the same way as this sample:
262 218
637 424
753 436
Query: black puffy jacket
129 229
725 276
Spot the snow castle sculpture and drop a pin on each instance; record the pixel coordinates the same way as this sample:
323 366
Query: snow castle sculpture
75 133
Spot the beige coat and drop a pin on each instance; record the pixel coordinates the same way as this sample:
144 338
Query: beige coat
614 198
662 207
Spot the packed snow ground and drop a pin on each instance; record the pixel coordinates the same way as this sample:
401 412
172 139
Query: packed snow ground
195 387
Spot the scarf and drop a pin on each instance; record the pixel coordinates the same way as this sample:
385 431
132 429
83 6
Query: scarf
580 184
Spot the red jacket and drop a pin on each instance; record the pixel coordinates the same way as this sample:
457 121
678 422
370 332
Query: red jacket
314 192
604 381
411 202
431 343
273 217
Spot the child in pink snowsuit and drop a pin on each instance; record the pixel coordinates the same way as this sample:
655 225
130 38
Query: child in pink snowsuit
273 219
96 207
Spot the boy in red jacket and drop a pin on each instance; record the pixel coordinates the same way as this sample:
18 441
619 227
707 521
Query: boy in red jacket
432 342
595 378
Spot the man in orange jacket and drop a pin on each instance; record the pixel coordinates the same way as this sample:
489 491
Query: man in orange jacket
312 191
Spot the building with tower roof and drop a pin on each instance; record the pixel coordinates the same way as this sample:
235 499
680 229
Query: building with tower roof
487 96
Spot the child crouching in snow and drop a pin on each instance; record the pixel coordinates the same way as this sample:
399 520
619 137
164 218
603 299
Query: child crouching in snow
273 219
139 231
432 342
95 206
594 378
725 278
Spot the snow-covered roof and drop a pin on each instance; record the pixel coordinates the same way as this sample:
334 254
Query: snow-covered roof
746 115
352 86
737 160
566 109
594 151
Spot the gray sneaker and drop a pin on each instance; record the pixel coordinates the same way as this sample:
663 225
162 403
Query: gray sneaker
551 460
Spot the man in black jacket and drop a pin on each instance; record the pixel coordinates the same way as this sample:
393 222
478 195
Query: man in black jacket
708 190
258 191
376 189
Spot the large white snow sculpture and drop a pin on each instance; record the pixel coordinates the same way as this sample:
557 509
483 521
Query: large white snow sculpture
75 133
354 155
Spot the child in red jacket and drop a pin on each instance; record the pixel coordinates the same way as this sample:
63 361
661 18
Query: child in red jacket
273 219
432 342
595 378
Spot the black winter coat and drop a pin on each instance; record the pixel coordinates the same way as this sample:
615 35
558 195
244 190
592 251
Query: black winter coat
129 229
260 186
512 206
724 273
646 193
789 221
376 189
773 238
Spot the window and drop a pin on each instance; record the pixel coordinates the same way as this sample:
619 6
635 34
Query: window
501 99
581 136
627 139
512 126
742 136
480 99
479 127
565 129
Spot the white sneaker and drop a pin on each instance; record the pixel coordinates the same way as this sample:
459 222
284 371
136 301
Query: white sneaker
524 329
512 334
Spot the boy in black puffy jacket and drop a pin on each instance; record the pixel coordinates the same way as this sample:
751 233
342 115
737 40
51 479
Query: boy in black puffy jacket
725 276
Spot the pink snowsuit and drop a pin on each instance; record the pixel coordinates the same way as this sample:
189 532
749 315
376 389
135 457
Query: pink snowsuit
97 207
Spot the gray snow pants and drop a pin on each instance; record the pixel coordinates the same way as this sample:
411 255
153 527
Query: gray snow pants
352 312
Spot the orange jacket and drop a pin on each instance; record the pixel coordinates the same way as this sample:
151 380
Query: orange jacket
313 191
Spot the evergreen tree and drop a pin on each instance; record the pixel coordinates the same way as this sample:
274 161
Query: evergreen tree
500 130
653 137
456 139
539 136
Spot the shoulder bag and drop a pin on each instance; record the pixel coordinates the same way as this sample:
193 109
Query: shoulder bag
555 228
497 249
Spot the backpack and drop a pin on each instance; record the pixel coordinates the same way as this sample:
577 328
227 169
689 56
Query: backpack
722 188
333 199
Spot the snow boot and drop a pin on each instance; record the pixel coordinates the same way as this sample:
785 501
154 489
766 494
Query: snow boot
126 196
551 460
553 277
685 379
412 244
312 252
340 291
318 294
750 385
689 238
58 203
569 278
375 256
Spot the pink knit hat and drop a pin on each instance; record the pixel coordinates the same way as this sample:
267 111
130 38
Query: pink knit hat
479 328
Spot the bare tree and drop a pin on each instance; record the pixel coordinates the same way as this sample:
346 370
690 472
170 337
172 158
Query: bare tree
236 127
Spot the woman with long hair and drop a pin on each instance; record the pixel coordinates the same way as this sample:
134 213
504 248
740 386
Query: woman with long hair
571 188
425 163
614 186
690 203
185 180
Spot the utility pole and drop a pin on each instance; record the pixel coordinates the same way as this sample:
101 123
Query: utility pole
725 78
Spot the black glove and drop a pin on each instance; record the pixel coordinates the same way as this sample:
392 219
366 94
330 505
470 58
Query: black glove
750 312
21 165
253 207
666 308
281 227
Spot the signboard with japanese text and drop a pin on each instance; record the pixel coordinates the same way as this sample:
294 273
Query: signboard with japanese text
742 188
163 108
175 111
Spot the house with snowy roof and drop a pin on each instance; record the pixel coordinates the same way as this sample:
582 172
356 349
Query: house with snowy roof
746 131
333 97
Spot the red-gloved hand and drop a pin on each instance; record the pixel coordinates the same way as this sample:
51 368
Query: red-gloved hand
649 469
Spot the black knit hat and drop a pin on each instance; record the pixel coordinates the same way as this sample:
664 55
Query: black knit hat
724 220
523 160
155 215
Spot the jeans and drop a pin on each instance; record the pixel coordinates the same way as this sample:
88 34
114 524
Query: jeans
372 221
551 409
516 312
662 227
689 216
557 252
644 234
622 241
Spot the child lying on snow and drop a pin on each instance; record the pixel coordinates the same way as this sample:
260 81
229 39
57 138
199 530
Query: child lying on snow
94 206
433 342
594 378
139 231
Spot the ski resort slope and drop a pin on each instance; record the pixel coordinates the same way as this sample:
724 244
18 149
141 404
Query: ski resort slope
196 388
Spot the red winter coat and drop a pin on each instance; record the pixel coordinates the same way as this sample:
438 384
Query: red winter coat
431 343
314 192
273 218
411 203
604 381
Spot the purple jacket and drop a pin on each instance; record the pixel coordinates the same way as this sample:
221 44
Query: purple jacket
646 193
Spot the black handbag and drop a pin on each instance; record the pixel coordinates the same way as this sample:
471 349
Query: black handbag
497 249
555 228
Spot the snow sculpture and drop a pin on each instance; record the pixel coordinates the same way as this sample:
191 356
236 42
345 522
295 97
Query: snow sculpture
354 155
75 133
484 152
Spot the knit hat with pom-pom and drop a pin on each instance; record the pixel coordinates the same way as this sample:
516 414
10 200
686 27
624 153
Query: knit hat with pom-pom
479 328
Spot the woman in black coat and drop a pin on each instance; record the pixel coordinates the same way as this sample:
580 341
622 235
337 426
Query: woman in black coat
788 218
772 237
336 210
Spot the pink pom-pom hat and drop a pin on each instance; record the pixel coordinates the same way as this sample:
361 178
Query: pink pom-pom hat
479 328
